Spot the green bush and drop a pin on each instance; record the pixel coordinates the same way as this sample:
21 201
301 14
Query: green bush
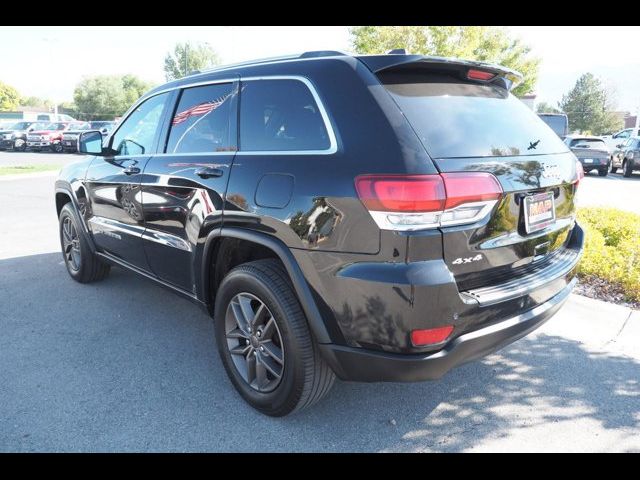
612 248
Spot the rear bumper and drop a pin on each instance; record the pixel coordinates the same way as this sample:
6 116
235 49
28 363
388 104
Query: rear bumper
595 163
357 364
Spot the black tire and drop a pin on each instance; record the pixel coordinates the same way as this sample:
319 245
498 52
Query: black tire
83 265
21 148
56 148
613 169
627 169
306 377
603 172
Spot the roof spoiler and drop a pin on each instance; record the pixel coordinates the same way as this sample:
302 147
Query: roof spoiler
381 63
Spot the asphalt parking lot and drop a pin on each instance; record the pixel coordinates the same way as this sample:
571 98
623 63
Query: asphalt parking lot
613 191
124 365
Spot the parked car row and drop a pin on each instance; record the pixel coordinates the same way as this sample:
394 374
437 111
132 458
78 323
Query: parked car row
54 136
605 153
594 154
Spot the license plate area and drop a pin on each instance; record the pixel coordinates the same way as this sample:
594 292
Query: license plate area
539 211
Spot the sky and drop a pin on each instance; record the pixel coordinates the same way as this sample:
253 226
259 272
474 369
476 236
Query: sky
49 61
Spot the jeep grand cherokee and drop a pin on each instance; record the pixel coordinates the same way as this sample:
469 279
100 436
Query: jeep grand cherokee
374 218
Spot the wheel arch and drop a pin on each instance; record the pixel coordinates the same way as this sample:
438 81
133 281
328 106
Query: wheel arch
64 195
207 263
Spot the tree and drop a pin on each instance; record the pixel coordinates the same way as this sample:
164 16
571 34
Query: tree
589 107
107 96
9 97
544 107
187 58
35 102
487 44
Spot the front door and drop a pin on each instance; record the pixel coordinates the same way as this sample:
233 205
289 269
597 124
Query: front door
113 183
183 188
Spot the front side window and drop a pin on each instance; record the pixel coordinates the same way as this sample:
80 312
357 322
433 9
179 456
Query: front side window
137 134
280 115
202 120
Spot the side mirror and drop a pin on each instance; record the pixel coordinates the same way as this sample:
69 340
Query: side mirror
620 145
90 142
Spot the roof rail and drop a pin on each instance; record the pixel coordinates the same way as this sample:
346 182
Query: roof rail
311 54
249 62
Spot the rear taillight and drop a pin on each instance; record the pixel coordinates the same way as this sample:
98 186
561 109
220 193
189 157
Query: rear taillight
398 193
430 336
416 202
579 172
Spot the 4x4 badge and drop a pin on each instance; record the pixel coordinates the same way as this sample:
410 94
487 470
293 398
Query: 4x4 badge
460 260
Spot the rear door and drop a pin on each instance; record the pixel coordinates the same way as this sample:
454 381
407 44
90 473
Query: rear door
183 187
113 183
478 126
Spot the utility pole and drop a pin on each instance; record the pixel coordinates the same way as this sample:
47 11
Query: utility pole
186 53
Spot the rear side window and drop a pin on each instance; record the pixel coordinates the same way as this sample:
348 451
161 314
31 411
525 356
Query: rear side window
454 118
280 115
201 122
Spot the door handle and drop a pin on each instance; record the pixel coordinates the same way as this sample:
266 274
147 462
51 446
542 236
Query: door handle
209 172
131 170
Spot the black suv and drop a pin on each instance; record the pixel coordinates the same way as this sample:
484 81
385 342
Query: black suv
374 218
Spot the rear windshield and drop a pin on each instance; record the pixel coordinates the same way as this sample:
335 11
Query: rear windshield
455 119
587 143
557 123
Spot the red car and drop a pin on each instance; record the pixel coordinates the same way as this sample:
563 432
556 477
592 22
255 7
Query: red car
51 136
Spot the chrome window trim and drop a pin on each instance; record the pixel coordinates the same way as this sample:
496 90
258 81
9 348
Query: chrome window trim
333 143
194 84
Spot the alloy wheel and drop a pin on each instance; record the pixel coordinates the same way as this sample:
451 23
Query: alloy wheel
254 342
71 244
